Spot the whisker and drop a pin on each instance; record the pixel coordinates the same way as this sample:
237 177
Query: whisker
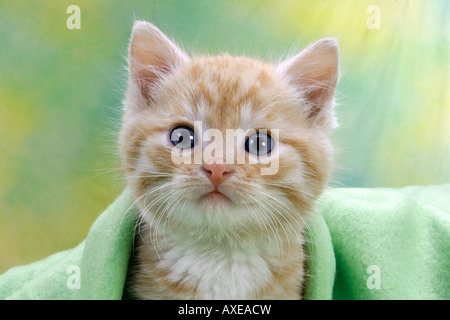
291 210
258 207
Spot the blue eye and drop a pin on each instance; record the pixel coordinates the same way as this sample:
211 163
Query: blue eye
259 144
183 137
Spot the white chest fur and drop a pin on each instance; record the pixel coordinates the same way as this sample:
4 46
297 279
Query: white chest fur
216 273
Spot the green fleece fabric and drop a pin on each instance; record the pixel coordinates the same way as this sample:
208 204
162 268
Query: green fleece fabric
361 244
400 236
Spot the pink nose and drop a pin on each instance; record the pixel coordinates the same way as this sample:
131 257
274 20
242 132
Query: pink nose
217 173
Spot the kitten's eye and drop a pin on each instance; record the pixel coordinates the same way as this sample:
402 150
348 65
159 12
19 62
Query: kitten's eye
259 144
183 137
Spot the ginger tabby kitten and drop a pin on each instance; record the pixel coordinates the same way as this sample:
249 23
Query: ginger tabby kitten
222 229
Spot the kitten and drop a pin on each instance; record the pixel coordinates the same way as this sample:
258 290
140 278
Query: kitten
218 230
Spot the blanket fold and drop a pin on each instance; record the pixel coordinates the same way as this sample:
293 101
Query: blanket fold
361 244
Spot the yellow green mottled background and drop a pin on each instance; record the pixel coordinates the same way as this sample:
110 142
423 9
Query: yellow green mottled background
61 91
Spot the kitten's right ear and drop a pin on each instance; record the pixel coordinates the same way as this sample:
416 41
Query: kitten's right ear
314 73
151 56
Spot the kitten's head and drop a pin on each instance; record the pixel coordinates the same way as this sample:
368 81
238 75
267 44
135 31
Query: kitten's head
283 112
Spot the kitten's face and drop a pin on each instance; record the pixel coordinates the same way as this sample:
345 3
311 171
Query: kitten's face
172 95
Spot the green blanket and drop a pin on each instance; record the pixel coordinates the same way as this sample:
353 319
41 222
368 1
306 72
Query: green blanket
362 244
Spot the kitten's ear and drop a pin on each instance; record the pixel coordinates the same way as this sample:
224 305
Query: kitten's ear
151 56
313 73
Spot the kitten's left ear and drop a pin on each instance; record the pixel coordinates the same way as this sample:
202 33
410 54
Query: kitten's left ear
314 73
152 56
